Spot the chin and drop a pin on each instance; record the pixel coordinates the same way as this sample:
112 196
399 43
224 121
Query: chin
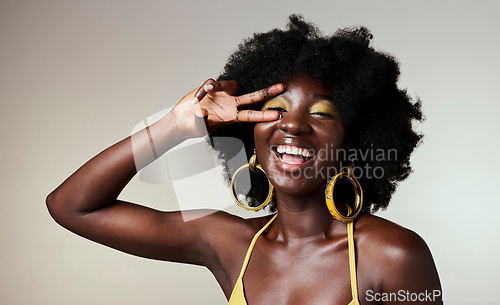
290 185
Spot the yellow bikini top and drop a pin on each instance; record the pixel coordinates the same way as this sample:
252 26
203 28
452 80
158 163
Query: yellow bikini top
238 294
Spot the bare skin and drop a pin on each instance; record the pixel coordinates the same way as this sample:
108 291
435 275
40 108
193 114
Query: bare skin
301 259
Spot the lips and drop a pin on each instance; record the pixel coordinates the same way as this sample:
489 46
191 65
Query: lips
292 154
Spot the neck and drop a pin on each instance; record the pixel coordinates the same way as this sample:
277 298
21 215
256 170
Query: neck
303 217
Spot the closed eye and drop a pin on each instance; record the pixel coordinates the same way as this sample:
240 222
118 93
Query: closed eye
275 108
276 104
323 114
322 109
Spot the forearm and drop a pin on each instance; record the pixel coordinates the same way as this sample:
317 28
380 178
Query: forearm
99 181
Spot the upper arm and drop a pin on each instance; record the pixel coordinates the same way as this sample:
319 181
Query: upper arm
146 232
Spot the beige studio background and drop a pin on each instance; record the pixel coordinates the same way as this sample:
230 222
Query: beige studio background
77 76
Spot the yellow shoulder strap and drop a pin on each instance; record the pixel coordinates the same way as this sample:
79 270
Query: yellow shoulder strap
352 261
252 244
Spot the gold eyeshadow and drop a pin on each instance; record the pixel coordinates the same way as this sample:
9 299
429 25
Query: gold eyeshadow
323 107
274 103
280 104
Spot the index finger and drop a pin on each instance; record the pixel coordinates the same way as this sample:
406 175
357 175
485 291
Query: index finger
261 95
255 116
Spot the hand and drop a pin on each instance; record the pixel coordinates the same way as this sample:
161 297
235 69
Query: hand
213 105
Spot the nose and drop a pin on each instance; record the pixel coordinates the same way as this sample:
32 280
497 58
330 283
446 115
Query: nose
294 122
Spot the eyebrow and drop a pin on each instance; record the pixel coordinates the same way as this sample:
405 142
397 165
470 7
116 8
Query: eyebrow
323 97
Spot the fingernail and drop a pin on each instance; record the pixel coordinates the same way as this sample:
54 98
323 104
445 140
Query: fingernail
195 101
208 87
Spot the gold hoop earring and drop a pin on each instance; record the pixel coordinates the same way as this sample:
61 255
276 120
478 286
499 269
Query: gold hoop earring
330 203
255 167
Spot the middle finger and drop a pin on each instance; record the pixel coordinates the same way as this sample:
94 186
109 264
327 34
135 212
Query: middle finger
261 95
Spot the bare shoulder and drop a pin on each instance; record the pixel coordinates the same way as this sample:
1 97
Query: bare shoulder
229 237
391 240
225 232
394 256
221 223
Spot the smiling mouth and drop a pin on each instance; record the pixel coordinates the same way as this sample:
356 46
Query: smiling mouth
293 154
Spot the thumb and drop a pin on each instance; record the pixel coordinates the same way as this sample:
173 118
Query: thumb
201 113
200 120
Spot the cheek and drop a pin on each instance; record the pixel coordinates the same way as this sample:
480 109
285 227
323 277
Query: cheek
333 142
257 131
258 136
262 132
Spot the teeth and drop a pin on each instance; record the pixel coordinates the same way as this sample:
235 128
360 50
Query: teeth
294 150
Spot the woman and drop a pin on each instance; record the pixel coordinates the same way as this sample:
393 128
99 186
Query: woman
329 104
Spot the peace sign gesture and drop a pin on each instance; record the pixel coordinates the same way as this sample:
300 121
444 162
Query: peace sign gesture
214 105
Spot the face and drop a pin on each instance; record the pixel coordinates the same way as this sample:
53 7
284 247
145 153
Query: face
299 150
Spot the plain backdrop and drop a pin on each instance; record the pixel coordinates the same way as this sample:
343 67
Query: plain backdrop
77 76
